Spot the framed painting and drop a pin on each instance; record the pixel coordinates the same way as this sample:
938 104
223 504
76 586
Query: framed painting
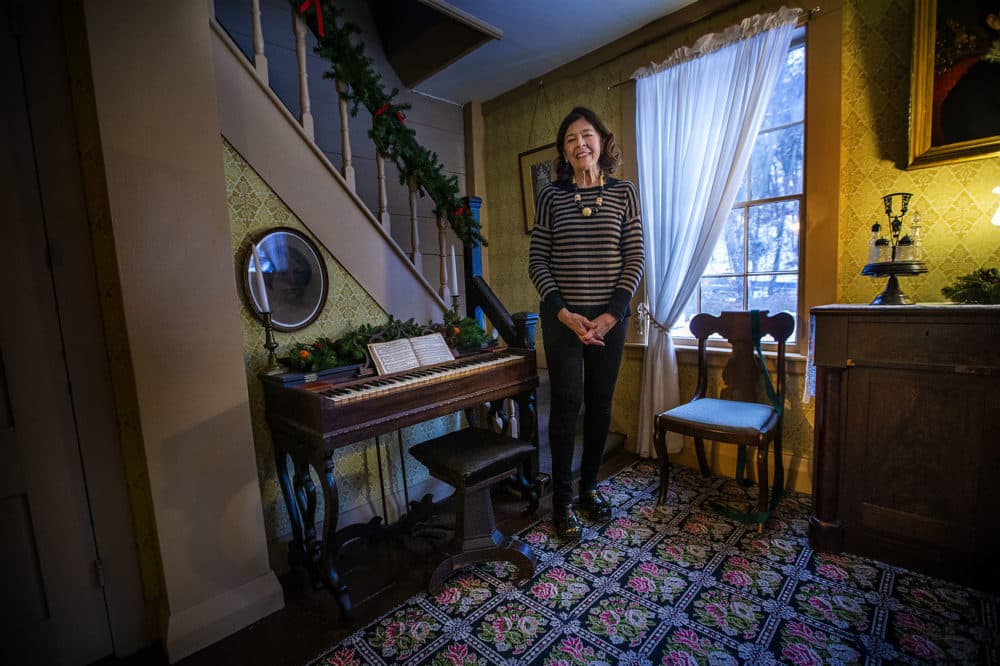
954 82
537 168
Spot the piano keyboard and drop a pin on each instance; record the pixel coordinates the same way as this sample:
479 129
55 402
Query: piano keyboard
377 386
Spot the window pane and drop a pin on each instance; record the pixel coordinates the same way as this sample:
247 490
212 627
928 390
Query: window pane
742 195
728 254
776 163
719 294
775 293
788 103
774 237
681 327
758 249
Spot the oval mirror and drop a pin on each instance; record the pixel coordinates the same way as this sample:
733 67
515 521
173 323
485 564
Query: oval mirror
286 278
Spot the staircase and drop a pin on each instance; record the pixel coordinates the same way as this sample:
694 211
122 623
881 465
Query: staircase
280 146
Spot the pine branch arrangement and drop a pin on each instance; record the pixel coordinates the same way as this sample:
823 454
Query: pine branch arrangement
339 45
981 286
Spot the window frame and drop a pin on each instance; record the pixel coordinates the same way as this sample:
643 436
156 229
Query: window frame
818 233
744 207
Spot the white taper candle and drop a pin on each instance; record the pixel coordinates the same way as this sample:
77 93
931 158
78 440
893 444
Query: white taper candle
265 305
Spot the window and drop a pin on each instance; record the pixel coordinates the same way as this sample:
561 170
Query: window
756 261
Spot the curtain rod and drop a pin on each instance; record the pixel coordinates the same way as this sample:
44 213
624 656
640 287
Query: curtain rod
809 13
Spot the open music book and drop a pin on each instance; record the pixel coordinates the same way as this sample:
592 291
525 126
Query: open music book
409 353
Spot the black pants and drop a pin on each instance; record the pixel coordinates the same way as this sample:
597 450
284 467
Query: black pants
579 374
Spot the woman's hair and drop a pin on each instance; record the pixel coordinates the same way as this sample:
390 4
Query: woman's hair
610 157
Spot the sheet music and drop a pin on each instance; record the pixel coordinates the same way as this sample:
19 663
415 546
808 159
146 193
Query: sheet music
393 356
431 349
409 353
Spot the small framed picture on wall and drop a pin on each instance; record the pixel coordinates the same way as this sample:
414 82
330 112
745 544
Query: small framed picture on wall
537 167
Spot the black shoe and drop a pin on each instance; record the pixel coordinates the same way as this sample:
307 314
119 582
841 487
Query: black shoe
566 523
594 505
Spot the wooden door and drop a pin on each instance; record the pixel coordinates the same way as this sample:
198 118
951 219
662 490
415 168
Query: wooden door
53 604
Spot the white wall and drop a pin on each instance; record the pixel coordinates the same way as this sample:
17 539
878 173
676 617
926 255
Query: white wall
155 92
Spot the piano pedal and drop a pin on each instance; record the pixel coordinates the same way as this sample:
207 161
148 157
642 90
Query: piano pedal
436 523
426 541
431 532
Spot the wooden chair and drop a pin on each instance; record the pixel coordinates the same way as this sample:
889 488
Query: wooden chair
748 411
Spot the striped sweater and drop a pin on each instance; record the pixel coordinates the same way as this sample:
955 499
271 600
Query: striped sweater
587 261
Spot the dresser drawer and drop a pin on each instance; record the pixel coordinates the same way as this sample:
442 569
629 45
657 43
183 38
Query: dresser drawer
930 341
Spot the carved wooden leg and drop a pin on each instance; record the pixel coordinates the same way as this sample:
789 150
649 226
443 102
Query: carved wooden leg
504 549
305 497
699 449
331 512
660 444
762 497
296 549
528 422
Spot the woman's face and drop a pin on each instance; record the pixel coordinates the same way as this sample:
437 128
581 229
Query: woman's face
582 146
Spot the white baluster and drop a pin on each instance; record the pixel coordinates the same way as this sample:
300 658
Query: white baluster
259 59
414 232
299 28
383 198
345 137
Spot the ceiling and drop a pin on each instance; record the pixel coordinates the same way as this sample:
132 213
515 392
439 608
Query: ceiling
538 37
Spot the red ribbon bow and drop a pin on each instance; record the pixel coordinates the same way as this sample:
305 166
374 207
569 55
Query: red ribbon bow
461 211
385 107
319 13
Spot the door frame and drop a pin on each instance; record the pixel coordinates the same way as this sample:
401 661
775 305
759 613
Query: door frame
60 171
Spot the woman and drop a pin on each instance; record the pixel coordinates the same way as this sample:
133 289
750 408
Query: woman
586 259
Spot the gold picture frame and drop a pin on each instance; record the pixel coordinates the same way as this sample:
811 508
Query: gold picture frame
537 168
929 144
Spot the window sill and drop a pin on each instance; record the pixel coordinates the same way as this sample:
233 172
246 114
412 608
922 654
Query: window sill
718 356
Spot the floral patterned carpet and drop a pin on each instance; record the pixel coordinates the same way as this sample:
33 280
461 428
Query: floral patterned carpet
681 585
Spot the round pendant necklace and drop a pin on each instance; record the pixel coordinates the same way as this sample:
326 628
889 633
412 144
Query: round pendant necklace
587 211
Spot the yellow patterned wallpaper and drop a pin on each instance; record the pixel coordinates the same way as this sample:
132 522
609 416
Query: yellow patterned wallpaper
521 124
955 201
254 207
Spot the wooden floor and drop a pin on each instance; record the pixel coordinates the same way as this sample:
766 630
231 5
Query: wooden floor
380 577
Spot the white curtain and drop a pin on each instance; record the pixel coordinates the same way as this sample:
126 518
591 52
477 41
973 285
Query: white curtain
697 117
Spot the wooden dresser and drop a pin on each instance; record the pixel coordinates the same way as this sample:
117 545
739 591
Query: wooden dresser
907 449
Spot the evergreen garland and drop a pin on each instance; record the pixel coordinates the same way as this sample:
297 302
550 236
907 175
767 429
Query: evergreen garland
462 333
394 140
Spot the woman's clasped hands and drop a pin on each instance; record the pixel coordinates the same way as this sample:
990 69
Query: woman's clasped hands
589 331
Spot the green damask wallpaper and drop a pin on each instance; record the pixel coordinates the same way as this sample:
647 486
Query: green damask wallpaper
253 207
